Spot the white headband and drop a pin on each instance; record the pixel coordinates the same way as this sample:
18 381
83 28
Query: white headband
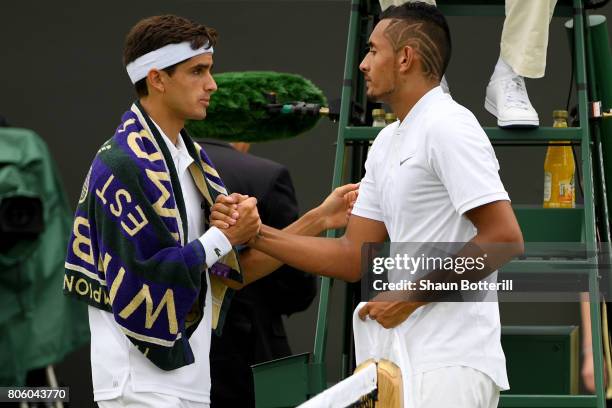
162 58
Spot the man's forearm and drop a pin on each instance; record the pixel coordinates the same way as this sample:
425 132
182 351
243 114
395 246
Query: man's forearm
256 263
332 257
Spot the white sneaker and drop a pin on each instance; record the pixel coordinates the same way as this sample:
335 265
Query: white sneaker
507 99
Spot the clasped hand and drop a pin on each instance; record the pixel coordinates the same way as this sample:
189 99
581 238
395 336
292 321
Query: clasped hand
241 222
226 213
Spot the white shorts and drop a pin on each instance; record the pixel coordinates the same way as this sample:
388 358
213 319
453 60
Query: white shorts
457 387
131 399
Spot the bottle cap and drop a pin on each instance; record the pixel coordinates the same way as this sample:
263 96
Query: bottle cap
560 114
378 112
390 117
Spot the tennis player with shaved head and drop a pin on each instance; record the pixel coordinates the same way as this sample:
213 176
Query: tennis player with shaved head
432 176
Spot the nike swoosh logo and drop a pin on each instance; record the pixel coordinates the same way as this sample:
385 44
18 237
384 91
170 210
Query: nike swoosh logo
405 160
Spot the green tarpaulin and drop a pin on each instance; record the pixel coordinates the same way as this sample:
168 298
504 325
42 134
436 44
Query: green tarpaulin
38 325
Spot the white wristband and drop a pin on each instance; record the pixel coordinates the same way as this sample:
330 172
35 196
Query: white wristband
216 245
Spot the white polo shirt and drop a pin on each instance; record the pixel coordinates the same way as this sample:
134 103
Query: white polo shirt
114 358
421 177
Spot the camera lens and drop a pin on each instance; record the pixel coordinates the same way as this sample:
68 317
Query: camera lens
21 214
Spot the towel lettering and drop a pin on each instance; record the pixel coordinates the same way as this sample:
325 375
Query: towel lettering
133 140
81 246
137 218
156 178
144 295
84 288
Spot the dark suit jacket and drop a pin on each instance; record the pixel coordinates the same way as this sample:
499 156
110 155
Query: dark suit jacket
254 330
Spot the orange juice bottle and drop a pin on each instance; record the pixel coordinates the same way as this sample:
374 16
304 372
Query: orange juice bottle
559 170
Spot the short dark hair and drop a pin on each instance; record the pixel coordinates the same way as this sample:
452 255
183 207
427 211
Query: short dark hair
423 27
155 32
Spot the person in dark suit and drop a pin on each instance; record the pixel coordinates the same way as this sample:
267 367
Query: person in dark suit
254 330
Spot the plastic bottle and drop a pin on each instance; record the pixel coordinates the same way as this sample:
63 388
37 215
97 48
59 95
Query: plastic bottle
559 170
378 118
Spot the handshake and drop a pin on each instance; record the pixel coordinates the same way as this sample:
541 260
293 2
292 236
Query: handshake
237 217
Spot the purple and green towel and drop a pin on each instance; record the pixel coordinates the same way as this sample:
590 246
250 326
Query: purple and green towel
128 253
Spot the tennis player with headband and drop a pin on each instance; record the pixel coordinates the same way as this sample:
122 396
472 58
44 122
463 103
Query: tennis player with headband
155 274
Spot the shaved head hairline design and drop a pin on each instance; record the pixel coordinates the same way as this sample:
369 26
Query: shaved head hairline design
402 32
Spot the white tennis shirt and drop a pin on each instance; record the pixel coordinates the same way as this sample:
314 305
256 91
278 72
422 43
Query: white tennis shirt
422 175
